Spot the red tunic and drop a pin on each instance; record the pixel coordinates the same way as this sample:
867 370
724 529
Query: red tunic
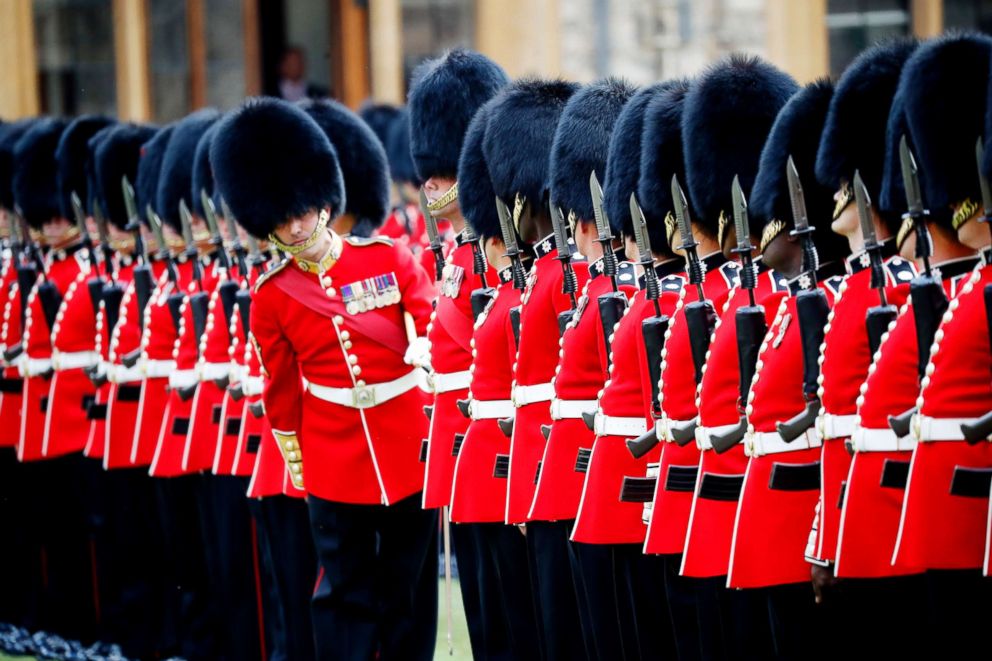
11 383
781 486
720 476
157 362
846 357
945 512
581 372
602 517
354 455
63 269
478 491
533 370
679 465
450 335
876 480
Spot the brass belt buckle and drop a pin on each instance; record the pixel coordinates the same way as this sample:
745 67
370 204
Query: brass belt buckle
363 397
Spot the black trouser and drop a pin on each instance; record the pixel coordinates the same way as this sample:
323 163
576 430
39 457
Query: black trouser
376 594
130 558
232 556
643 580
189 629
795 623
594 572
959 610
555 592
60 525
733 624
20 570
289 570
508 612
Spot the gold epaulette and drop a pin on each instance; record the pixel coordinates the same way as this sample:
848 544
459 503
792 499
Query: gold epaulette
360 241
265 277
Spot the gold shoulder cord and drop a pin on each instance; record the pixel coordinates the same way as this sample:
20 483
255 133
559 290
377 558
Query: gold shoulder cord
721 228
771 230
904 230
321 227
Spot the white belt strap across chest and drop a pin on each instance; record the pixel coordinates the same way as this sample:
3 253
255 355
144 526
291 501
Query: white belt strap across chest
367 396
481 409
612 425
836 426
541 392
450 381
760 443
568 409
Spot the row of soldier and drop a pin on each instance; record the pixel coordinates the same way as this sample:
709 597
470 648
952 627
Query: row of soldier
700 407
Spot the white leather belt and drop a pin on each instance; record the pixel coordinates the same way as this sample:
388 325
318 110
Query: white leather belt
760 443
368 396
35 366
479 409
836 426
924 428
665 425
183 378
450 381
611 425
70 360
567 409
154 369
524 395
703 434
214 371
252 385
121 374
880 440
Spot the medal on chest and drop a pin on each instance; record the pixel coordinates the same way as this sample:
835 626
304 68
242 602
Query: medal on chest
371 293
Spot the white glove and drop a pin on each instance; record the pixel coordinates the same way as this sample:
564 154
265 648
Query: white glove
418 353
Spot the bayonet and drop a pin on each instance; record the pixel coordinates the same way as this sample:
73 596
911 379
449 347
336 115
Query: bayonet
605 234
749 270
914 204
101 228
133 220
569 284
694 268
802 229
432 235
216 239
510 242
645 258
186 222
80 217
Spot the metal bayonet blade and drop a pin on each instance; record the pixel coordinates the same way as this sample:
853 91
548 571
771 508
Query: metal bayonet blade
864 211
983 180
101 223
78 214
740 216
641 237
796 196
156 225
186 220
429 221
682 214
561 234
506 227
910 177
210 211
602 221
129 204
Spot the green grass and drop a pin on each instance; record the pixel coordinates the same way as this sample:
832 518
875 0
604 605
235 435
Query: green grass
461 648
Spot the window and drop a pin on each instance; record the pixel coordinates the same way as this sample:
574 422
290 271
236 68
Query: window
853 25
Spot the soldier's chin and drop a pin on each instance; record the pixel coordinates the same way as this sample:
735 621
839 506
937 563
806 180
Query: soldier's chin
450 211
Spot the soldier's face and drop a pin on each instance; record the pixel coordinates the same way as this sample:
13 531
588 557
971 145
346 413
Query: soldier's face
784 254
848 225
434 189
585 240
56 232
495 253
296 231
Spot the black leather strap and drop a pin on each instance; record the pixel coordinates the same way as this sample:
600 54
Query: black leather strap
215 412
180 426
582 460
96 411
795 477
895 474
721 487
681 478
232 427
457 446
971 482
502 467
638 489
128 393
253 442
12 385
423 451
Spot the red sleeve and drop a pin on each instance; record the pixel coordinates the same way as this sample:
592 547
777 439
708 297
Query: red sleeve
283 391
416 289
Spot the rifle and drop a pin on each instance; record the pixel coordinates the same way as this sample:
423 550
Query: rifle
925 290
144 279
653 328
507 226
430 222
812 309
612 304
981 429
96 283
569 283
227 290
480 297
27 275
749 322
879 317
48 294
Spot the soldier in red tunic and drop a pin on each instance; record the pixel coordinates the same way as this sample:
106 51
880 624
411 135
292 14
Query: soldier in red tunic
333 317
853 141
946 502
478 491
444 96
65 597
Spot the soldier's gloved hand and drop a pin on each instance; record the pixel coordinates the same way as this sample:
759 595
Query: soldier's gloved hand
418 353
